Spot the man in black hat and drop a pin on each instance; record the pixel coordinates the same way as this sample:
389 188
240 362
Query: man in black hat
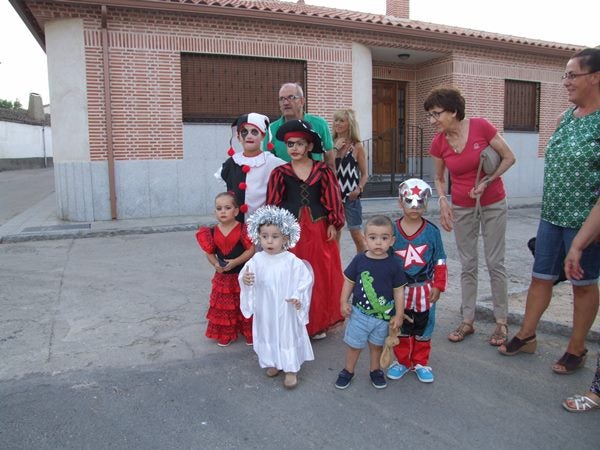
291 103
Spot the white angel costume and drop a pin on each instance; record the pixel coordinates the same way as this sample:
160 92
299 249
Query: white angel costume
278 329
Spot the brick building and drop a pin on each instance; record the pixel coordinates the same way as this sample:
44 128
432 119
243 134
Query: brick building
143 91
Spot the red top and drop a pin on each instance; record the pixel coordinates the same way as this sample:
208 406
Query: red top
463 166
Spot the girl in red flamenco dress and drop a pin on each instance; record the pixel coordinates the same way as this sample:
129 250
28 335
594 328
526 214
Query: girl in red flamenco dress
227 247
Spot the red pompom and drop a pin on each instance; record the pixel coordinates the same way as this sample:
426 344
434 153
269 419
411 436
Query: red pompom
270 146
242 186
231 151
244 208
245 168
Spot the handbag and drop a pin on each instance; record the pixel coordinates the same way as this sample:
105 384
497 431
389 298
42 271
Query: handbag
489 160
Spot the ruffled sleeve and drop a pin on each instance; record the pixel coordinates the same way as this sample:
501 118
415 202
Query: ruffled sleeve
331 197
247 293
275 187
245 238
205 239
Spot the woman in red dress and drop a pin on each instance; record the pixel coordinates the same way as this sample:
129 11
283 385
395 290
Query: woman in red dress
310 191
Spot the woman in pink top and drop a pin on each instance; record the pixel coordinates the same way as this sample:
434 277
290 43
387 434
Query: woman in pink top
457 146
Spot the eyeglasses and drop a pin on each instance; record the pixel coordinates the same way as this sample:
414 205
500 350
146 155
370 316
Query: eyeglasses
252 131
572 76
434 114
289 98
299 144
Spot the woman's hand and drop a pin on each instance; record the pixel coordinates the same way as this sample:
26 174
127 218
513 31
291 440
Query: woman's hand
446 215
573 269
354 194
480 188
340 143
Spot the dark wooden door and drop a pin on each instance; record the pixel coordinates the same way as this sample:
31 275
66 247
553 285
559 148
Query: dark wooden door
387 132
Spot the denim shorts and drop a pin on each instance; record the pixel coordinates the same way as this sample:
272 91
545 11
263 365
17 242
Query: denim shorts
362 328
353 213
551 247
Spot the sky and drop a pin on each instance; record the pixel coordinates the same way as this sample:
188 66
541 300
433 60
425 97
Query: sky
23 66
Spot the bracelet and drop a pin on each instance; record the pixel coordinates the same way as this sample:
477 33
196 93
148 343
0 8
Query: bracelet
440 199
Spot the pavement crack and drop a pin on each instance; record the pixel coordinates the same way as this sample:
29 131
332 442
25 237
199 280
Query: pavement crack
58 301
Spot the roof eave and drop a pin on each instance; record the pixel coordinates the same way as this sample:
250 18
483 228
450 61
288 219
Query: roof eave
329 22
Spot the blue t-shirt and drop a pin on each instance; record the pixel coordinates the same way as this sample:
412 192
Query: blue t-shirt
374 283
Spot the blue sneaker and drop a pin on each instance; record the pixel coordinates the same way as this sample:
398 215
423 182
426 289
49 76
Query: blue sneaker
377 379
396 371
424 373
344 379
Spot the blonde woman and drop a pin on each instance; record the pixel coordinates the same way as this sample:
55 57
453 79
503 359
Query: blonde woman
351 170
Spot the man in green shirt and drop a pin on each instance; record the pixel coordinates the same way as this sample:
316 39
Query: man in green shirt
291 103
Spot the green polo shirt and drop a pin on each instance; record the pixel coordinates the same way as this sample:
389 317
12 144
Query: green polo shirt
319 125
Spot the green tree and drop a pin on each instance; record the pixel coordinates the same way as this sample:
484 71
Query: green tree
10 105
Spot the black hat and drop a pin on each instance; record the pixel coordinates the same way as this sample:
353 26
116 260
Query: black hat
300 128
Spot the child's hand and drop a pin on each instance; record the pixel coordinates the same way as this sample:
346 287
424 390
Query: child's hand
331 233
248 277
396 321
434 295
346 310
294 301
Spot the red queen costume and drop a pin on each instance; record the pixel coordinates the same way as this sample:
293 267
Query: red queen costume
316 202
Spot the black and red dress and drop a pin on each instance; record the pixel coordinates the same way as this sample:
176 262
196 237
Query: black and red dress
225 320
316 203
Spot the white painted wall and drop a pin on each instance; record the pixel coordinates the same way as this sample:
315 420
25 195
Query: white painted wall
68 89
19 141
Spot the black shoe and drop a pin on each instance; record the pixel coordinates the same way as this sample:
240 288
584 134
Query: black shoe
377 379
344 379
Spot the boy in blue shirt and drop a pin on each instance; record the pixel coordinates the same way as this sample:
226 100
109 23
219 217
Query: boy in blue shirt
376 281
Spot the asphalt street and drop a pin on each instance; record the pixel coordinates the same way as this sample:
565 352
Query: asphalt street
102 346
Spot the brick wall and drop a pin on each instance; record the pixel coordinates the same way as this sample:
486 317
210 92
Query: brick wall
145 72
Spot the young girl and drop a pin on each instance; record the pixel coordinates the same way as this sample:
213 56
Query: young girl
310 191
227 246
246 173
276 288
351 169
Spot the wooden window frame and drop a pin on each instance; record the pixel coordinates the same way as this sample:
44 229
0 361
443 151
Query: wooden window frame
219 88
521 105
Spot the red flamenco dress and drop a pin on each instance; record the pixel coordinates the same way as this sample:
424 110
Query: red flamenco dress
225 320
316 202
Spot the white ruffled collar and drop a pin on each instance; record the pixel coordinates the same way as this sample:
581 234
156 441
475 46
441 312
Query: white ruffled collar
251 161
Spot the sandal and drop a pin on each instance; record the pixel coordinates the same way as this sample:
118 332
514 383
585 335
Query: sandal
569 363
580 403
516 345
500 335
463 330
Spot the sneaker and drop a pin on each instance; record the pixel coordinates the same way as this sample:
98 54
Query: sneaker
377 379
249 342
424 373
344 379
396 371
319 336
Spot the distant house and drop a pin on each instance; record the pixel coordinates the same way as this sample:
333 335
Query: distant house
143 91
25 139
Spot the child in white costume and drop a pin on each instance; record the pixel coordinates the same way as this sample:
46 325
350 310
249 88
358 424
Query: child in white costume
276 289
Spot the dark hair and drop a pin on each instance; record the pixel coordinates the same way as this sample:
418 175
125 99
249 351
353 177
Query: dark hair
589 59
380 221
449 99
230 195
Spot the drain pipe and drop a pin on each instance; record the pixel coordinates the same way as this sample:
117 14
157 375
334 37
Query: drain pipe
110 157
